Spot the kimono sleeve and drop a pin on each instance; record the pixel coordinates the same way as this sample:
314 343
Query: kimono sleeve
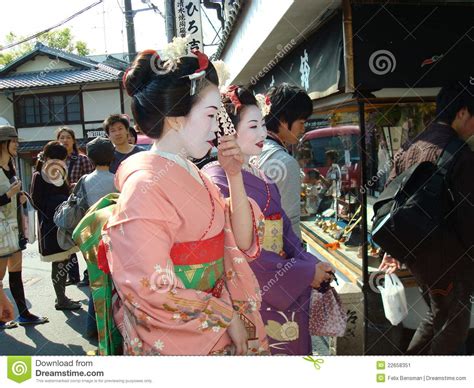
220 180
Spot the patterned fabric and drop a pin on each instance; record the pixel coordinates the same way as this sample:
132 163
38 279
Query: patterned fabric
285 279
88 236
199 264
327 316
273 238
81 165
158 314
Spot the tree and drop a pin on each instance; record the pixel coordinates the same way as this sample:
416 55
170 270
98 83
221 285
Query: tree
59 39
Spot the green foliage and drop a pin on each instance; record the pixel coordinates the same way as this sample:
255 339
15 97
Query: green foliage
59 39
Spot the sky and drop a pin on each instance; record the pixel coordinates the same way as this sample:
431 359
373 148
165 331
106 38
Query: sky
102 27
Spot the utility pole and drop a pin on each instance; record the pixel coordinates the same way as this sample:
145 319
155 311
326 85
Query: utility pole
132 51
169 20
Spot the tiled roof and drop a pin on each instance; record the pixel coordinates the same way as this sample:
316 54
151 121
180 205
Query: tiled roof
58 77
28 146
85 70
228 27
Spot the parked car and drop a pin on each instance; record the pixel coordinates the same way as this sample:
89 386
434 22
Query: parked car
312 149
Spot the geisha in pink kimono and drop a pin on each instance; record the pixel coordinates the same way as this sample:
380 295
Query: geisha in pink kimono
286 272
178 252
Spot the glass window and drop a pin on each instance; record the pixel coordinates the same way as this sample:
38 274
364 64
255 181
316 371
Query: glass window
49 110
340 144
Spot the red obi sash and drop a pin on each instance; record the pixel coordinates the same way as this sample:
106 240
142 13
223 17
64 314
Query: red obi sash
201 252
198 252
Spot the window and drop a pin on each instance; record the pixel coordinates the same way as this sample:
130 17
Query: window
48 110
320 145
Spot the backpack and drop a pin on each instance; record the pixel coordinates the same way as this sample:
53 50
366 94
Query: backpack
68 215
410 216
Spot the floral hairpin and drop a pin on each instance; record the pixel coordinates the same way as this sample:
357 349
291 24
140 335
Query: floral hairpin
174 50
222 72
264 104
224 123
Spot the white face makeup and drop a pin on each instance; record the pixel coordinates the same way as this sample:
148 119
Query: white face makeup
200 126
251 131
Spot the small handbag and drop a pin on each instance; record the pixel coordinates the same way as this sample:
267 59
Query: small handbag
327 317
70 212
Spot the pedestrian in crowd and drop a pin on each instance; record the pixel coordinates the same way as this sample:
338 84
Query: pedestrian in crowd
77 165
117 129
132 136
49 189
290 107
97 185
313 192
331 182
11 200
446 278
284 309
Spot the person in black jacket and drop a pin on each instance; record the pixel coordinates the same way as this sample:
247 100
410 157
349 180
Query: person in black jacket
49 188
446 277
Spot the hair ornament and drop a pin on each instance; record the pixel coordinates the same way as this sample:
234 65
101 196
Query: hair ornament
264 104
224 123
222 72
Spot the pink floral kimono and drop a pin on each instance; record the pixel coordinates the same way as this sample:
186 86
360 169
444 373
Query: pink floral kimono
179 276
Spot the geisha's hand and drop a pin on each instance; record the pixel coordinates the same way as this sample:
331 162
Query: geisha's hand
322 274
230 155
238 335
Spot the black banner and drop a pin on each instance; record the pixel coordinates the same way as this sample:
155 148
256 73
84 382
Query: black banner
316 65
408 46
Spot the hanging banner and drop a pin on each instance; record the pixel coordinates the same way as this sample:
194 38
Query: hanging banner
188 22
315 65
413 45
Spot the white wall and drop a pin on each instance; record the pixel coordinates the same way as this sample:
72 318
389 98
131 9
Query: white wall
6 109
43 63
255 24
100 104
45 133
127 101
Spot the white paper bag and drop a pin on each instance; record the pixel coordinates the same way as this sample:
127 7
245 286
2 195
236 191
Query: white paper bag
394 299
29 222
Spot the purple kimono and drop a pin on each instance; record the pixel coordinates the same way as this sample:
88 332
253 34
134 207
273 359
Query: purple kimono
284 270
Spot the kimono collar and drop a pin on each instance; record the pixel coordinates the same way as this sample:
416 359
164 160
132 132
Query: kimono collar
180 161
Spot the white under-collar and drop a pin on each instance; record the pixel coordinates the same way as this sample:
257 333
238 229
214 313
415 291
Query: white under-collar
186 164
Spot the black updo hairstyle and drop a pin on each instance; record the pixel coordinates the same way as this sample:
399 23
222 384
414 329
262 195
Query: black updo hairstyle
245 97
288 103
158 90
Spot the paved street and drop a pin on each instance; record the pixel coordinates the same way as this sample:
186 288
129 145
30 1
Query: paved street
63 335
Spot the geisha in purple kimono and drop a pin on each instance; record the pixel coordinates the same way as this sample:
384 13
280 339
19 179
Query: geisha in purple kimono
285 272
